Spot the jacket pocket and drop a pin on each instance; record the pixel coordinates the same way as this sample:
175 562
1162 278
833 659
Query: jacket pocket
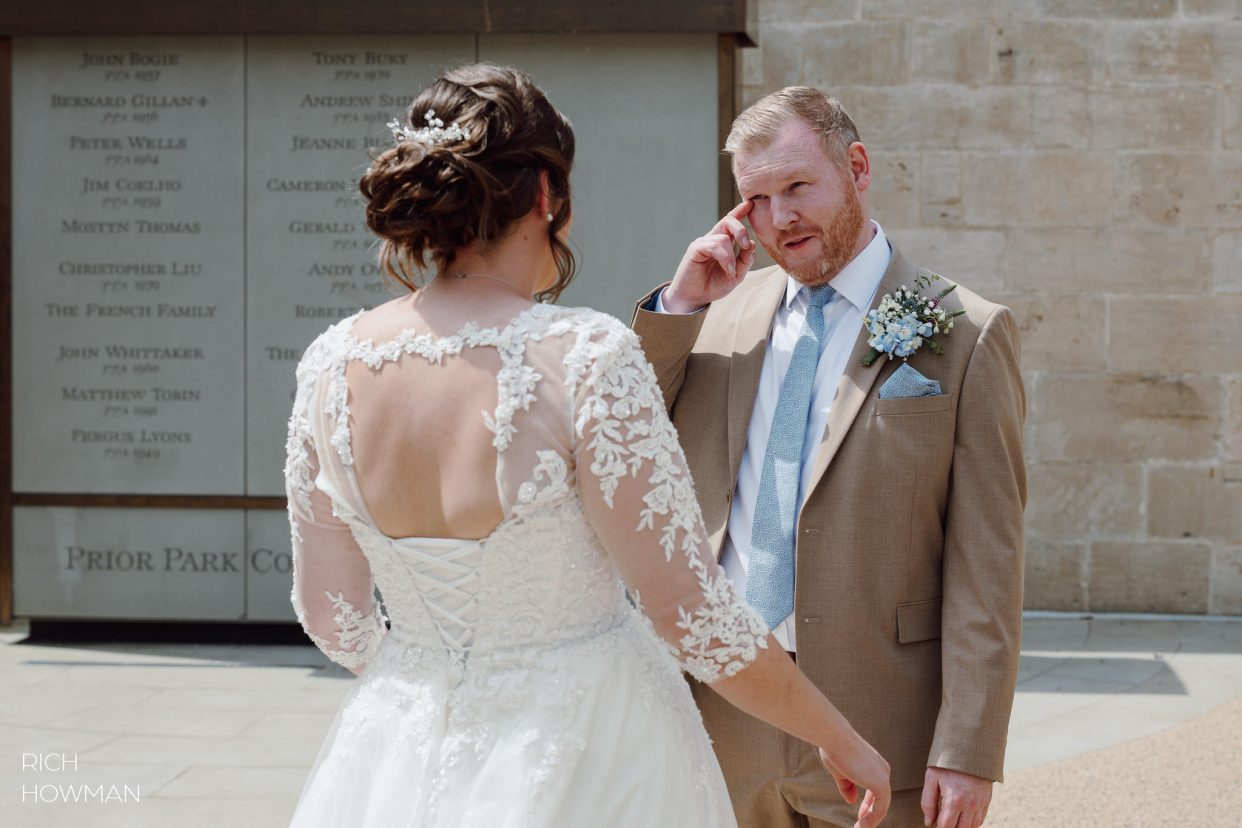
914 405
918 621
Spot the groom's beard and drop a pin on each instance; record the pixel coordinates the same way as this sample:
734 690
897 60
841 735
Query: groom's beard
837 240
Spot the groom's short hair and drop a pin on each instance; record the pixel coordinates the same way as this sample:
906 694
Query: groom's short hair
759 124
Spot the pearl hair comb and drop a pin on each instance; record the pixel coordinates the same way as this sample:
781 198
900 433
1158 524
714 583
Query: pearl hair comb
434 133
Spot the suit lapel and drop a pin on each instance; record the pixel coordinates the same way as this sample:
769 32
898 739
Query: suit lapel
751 329
857 381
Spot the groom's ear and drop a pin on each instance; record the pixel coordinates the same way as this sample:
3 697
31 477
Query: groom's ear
859 166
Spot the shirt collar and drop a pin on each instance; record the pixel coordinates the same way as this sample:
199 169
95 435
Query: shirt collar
859 279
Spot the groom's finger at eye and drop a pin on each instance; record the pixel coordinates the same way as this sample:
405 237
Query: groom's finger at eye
737 231
720 248
746 257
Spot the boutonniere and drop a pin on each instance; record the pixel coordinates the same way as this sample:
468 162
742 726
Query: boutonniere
906 321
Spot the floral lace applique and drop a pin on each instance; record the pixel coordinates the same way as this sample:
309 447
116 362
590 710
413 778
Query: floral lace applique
624 422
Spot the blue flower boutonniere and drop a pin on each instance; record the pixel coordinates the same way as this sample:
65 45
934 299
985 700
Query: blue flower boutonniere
906 320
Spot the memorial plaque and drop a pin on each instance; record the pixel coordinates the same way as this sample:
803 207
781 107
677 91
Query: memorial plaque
186 221
644 110
128 265
129 563
316 105
269 567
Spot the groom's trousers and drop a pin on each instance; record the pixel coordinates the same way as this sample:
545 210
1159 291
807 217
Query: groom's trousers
777 781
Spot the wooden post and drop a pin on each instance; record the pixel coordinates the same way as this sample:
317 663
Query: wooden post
6 331
727 109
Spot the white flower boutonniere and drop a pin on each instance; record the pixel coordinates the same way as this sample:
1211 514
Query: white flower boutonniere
906 321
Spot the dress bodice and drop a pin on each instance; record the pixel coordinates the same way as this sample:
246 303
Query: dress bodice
596 499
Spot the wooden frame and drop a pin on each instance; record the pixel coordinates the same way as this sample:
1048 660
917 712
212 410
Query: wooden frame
6 331
358 17
731 20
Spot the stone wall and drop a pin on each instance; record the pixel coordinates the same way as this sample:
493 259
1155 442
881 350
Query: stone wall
1081 162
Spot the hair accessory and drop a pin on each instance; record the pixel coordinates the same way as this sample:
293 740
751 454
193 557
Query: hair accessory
433 133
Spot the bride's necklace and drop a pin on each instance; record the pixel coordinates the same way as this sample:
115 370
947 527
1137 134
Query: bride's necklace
461 274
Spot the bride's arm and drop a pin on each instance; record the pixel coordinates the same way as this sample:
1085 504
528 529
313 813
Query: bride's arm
333 593
640 500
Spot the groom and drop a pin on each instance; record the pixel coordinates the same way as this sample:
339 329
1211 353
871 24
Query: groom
872 513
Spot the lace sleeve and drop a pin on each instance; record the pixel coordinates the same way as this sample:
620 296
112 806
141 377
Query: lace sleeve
640 500
333 592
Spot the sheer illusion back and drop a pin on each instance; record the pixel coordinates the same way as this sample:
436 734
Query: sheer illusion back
582 443
595 500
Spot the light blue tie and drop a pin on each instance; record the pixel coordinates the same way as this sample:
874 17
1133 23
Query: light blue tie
770 579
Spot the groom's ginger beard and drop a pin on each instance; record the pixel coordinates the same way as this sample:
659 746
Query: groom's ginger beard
837 239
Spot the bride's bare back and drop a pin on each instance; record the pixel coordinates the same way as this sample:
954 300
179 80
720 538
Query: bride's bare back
423 455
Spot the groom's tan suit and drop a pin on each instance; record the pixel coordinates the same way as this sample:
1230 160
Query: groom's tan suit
908 583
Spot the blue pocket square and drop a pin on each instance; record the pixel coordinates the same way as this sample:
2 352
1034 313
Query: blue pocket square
907 382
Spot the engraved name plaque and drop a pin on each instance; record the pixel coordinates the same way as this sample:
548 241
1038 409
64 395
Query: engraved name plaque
128 266
315 108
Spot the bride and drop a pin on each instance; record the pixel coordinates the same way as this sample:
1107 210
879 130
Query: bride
504 472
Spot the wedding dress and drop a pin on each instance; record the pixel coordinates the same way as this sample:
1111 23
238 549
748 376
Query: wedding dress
531 678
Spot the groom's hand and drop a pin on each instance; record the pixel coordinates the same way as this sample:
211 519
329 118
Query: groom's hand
952 799
713 265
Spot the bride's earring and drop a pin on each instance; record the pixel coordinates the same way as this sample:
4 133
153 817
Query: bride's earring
550 217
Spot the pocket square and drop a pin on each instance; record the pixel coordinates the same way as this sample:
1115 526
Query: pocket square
907 382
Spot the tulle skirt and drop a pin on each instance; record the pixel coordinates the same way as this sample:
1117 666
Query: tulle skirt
598 731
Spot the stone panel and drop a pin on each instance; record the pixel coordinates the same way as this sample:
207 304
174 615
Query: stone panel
893 197
128 264
866 52
1059 335
1225 597
1227 262
1060 118
1050 188
1073 261
1056 576
1153 117
951 51
1174 334
175 564
1194 502
1048 51
806 11
1128 417
940 116
1150 577
1075 500
973 258
1109 8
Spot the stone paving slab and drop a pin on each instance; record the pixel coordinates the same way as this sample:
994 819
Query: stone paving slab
1112 714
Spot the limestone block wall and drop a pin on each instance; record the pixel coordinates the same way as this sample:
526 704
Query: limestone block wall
1081 162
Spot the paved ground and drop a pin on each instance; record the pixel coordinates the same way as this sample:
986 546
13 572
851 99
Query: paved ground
1117 722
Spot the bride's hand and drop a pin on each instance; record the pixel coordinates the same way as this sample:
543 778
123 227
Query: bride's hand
859 765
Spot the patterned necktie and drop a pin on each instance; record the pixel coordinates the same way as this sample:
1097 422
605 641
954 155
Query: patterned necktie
770 579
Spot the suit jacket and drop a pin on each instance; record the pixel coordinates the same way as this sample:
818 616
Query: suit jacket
908 587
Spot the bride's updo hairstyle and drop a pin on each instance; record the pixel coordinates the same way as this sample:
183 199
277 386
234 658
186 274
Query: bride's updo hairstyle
439 189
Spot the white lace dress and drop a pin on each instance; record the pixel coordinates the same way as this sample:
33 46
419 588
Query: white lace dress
516 684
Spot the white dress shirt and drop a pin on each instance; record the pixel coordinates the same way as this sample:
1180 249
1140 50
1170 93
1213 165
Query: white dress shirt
856 285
